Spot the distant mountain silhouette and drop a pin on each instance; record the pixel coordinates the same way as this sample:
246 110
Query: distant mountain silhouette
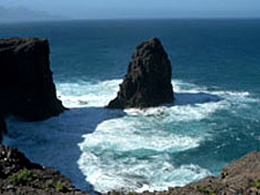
20 14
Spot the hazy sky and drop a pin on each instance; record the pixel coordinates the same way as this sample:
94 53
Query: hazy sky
140 8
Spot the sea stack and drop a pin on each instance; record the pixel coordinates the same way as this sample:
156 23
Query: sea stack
26 84
148 79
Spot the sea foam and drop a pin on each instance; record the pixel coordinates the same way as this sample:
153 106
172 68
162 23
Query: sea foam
134 152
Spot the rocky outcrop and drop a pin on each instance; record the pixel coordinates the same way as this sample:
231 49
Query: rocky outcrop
240 177
20 176
26 84
2 127
148 79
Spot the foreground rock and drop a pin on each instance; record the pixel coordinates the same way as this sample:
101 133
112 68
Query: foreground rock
26 84
241 177
19 176
148 79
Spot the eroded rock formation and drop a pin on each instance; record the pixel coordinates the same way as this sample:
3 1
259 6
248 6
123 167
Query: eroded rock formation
26 84
148 79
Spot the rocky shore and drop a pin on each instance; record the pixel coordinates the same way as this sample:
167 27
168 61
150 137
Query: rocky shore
241 177
20 176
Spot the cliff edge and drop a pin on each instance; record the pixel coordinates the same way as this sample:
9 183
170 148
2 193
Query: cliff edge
20 176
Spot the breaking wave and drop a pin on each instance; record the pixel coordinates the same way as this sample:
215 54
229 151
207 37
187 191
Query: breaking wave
135 152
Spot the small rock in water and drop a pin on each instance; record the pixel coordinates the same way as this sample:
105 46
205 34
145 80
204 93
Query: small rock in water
82 102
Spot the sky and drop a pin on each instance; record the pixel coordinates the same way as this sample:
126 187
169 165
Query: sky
102 9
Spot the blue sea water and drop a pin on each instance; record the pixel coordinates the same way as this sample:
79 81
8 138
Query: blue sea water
216 79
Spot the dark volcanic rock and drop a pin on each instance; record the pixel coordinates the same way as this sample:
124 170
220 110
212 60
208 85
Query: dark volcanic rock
26 84
148 79
12 160
19 176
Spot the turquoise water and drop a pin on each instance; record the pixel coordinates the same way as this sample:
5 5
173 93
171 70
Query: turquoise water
216 71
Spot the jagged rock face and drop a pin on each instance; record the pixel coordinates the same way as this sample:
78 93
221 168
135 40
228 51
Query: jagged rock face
26 84
148 79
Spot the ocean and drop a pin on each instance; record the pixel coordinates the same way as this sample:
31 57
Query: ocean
215 119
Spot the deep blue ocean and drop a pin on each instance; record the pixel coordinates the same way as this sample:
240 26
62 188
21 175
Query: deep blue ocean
216 117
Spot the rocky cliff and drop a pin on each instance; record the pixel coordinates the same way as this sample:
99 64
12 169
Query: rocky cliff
148 79
26 84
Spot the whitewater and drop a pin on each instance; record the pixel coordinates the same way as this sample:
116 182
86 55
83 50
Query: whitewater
135 152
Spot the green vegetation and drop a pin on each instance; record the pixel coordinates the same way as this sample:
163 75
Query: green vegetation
256 184
203 189
49 183
60 187
22 177
131 193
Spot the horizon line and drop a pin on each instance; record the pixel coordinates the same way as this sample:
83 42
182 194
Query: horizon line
131 18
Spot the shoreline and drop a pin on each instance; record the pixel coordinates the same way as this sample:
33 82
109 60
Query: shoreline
20 176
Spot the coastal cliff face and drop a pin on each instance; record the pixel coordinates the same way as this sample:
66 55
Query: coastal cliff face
26 84
148 79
